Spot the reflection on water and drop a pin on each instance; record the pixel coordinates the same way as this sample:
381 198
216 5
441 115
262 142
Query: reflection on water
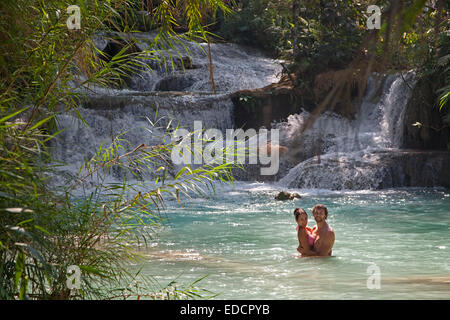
245 242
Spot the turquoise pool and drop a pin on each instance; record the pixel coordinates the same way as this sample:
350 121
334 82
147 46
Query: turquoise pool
245 241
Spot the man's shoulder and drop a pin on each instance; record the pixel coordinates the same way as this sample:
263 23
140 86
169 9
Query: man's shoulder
331 234
330 231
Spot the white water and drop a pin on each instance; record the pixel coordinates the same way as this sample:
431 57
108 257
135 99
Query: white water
110 112
354 154
186 67
235 68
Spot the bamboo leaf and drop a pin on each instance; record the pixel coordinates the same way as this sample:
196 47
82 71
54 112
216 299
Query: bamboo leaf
40 123
12 115
19 268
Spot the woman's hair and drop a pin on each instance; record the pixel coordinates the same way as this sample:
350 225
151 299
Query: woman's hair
298 212
320 206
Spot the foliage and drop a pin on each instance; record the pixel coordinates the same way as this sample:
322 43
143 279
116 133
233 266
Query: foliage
259 23
329 31
443 67
328 42
330 34
44 230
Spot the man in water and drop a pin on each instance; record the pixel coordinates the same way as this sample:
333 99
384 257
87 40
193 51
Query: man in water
323 233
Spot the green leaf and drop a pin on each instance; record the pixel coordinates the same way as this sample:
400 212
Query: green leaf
12 115
20 267
42 229
40 123
25 221
180 173
23 288
93 270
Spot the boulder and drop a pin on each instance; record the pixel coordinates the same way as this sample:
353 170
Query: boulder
284 195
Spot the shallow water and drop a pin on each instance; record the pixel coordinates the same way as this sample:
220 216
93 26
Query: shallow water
245 241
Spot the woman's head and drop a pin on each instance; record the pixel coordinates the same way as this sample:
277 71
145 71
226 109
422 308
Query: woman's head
301 217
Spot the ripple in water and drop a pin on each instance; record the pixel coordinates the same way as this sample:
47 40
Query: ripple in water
251 253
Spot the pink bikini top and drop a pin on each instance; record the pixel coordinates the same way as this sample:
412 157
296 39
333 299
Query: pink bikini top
311 239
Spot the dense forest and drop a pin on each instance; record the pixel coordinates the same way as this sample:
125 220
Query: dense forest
328 53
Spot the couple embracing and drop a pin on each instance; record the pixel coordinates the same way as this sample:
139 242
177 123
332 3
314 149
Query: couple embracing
317 241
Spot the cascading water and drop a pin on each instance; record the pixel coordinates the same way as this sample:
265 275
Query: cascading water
354 154
186 67
172 97
235 68
335 153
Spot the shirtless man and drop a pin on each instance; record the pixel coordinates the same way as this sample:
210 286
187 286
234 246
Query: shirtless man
323 233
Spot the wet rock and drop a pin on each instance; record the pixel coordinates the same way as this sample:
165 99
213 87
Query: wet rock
284 195
115 46
174 83
260 107
377 170
424 125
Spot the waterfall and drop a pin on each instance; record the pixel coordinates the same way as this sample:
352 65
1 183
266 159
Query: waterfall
235 68
173 96
354 154
185 67
334 153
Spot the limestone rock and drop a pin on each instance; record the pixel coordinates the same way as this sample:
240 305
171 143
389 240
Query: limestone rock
284 195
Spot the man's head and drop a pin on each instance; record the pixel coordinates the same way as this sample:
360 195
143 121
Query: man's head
320 213
301 217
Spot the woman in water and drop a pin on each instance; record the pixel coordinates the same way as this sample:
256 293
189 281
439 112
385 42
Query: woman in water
306 235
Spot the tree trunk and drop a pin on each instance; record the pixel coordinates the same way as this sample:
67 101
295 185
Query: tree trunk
295 15
211 68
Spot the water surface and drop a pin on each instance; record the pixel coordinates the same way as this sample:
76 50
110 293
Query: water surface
245 241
